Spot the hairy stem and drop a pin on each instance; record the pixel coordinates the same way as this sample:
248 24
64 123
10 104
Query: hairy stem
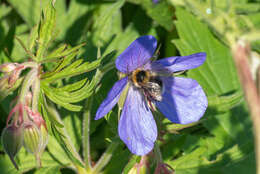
102 162
241 56
86 128
27 82
36 92
157 153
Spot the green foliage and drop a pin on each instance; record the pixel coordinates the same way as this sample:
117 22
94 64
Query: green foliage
226 148
76 43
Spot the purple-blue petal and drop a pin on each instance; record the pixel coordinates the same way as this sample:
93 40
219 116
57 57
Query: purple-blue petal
179 63
184 100
112 98
137 54
137 127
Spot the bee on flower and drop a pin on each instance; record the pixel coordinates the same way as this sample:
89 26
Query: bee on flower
149 84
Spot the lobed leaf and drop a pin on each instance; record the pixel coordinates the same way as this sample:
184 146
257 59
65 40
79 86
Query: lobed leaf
46 31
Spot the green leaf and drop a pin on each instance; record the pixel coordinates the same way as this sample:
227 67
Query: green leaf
62 52
48 92
33 38
237 159
133 160
73 69
48 116
29 10
227 141
63 138
218 74
73 125
66 61
161 13
64 98
46 31
104 23
226 102
48 170
58 152
26 162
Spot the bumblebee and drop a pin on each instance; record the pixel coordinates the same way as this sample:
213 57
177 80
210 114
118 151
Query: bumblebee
149 82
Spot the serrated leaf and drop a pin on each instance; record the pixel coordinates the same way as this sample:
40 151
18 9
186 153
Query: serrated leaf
229 139
65 98
57 150
33 37
73 125
64 140
32 16
61 52
48 170
72 87
48 114
46 31
224 163
104 22
61 64
161 12
226 102
54 54
218 74
59 101
73 70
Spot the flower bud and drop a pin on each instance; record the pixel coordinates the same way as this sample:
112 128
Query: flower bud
35 137
41 125
8 67
4 83
32 138
12 141
140 167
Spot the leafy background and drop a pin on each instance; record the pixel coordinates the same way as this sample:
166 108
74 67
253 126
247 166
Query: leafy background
221 142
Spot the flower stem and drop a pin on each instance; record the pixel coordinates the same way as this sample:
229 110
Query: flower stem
157 153
240 55
27 82
107 155
81 170
86 127
36 92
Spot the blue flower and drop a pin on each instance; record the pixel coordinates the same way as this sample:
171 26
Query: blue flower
155 1
181 100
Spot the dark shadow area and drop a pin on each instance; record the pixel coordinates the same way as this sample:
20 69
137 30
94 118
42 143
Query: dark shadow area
78 28
90 2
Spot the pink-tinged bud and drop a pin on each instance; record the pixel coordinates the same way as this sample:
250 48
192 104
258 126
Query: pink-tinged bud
12 141
37 135
8 67
40 123
32 138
